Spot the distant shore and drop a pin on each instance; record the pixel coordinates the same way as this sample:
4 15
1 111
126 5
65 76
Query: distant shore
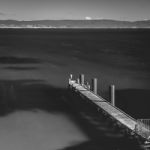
74 28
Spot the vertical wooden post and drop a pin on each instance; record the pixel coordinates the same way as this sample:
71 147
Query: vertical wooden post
112 94
94 85
70 78
78 80
82 79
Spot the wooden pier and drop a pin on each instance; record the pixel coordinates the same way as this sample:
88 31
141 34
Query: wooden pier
120 118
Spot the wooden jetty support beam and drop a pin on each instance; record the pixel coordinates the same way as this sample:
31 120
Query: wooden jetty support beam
81 79
119 117
94 85
112 94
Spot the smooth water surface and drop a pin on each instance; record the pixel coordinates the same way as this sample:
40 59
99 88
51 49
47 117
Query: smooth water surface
35 66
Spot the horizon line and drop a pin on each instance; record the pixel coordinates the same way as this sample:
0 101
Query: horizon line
94 19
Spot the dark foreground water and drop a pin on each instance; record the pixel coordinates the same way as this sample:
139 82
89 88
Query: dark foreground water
34 69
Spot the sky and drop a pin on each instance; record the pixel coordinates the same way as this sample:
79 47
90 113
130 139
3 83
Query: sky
130 10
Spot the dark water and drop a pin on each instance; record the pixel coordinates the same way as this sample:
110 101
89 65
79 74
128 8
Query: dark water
35 116
42 59
86 44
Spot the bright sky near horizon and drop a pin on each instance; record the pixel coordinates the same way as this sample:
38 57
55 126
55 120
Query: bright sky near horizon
75 9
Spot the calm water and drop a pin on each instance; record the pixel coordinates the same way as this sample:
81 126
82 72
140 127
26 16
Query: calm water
34 68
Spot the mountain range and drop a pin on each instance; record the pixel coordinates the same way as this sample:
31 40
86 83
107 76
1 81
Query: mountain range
74 24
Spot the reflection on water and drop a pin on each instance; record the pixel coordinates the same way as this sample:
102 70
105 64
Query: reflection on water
38 130
34 117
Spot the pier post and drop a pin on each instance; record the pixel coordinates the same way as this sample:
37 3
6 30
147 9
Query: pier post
78 80
112 94
82 79
94 85
70 78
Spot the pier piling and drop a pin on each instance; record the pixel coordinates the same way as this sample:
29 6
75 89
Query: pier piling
82 79
112 94
78 80
94 85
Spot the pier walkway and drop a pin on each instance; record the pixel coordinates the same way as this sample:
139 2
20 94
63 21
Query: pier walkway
118 117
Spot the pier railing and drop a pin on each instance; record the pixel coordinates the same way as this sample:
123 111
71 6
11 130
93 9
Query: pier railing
143 123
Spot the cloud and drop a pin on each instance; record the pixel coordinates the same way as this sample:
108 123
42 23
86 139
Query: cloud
88 18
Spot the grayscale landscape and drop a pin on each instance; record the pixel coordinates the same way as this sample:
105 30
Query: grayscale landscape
42 43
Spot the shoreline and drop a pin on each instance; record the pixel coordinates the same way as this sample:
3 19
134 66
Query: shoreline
132 28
